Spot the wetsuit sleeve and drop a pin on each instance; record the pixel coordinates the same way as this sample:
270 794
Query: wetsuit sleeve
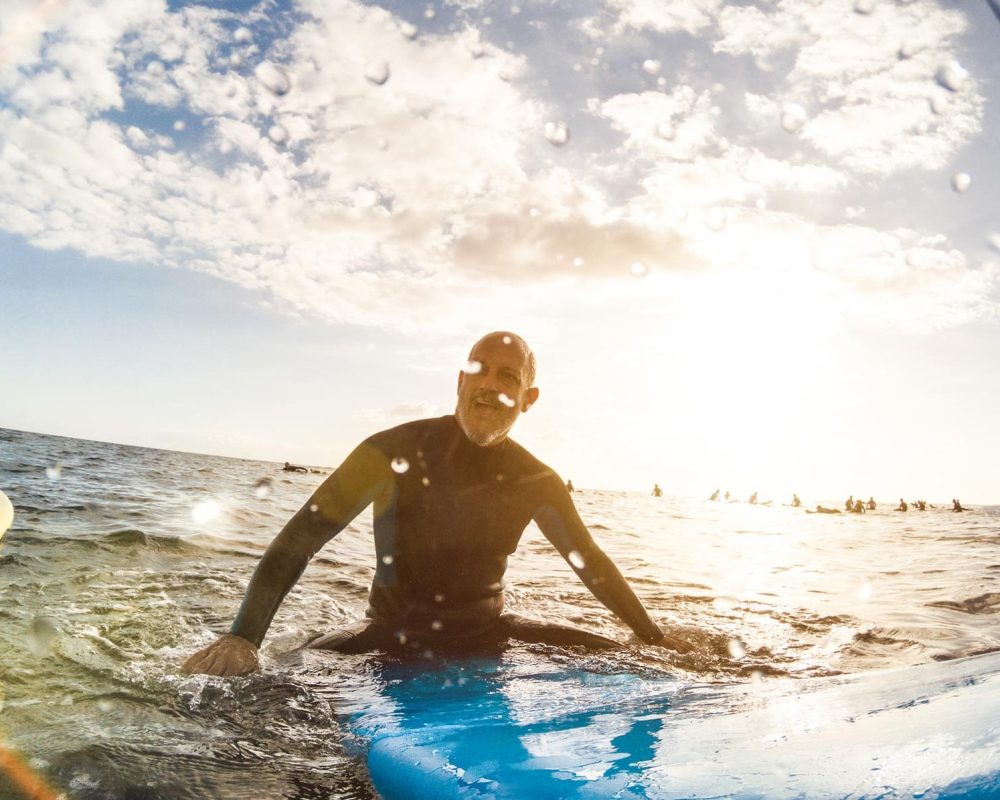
561 525
341 497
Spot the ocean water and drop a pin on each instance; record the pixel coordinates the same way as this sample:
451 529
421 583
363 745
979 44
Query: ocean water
122 561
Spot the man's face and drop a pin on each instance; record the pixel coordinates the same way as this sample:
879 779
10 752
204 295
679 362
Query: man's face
493 390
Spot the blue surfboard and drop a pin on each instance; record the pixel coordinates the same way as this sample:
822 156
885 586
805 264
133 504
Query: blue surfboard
537 726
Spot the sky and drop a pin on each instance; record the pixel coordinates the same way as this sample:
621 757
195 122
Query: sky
755 246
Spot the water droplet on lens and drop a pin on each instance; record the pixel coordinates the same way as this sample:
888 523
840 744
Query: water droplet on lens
736 648
507 340
793 117
864 6
105 706
54 472
262 488
952 76
313 507
652 66
437 625
639 269
378 72
273 78
401 637
429 12
40 636
557 133
507 401
472 367
993 240
578 262
408 29
865 592
665 130
439 598
576 559
235 60
387 559
243 35
425 481
400 465
277 134
960 181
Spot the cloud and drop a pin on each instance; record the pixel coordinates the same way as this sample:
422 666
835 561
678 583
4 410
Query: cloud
404 412
690 16
355 170
866 81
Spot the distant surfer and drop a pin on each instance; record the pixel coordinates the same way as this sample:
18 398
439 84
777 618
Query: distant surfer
569 486
452 497
902 505
714 496
657 491
753 499
795 501
859 507
871 503
824 510
849 503
293 468
956 506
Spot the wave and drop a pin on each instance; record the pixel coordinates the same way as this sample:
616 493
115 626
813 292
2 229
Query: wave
124 537
988 603
20 508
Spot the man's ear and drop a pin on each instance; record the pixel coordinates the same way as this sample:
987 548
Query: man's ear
530 397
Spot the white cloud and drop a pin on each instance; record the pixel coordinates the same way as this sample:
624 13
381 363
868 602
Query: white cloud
404 412
866 80
433 201
665 15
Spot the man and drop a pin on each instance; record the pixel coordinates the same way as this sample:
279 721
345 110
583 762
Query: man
452 497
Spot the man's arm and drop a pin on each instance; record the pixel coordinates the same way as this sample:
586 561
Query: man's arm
341 497
563 527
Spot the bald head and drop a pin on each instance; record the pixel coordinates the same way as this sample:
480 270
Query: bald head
511 340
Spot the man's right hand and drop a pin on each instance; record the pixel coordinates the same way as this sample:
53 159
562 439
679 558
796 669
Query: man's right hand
227 656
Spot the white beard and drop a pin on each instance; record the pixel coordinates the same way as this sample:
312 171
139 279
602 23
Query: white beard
482 438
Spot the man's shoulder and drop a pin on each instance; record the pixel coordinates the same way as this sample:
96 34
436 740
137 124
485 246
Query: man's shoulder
413 430
530 465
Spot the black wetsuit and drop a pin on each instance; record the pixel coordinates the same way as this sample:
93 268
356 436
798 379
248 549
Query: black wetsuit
448 513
